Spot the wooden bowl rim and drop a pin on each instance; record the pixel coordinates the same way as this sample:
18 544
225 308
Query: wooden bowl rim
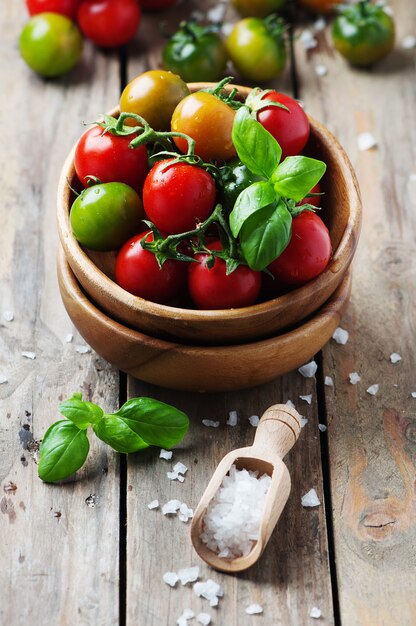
340 258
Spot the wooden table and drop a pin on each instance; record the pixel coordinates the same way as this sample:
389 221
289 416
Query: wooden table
90 552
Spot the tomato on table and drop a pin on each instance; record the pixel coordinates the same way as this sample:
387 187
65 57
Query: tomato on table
109 23
63 7
257 48
104 216
109 158
307 253
211 288
177 196
258 8
154 96
50 44
138 272
209 121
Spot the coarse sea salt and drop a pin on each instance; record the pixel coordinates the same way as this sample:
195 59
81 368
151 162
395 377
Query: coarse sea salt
319 25
308 40
329 382
322 427
303 421
165 454
204 619
308 370
185 513
210 423
310 499
83 349
315 612
175 476
254 609
232 520
171 507
180 468
413 394
154 504
3 380
170 578
186 615
340 335
395 358
307 398
216 14
232 418
366 141
29 355
8 316
354 378
69 338
254 420
188 574
290 403
373 389
321 70
409 42
210 590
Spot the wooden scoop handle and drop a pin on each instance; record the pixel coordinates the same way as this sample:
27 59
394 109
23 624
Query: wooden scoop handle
278 430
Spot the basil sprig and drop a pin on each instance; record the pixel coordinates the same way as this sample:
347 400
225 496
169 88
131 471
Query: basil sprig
262 214
138 424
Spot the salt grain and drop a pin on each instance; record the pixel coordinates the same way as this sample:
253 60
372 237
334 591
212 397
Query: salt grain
170 578
413 394
315 612
154 504
165 454
310 499
321 70
322 427
340 335
329 381
232 418
171 507
409 42
216 14
83 349
180 468
29 355
188 575
290 403
303 421
3 380
307 398
254 609
308 40
354 378
8 316
226 28
308 370
319 25
373 389
366 141
210 590
69 338
185 513
210 423
254 420
204 619
395 358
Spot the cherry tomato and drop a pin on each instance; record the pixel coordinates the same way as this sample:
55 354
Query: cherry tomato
209 121
109 158
211 288
109 23
290 128
176 197
308 252
319 6
154 95
64 7
51 44
258 8
137 271
156 5
257 48
363 33
104 216
313 200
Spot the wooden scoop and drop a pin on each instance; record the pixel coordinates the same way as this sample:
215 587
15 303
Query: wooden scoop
276 433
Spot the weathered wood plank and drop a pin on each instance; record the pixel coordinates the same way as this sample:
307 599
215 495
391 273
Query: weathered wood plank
371 438
59 556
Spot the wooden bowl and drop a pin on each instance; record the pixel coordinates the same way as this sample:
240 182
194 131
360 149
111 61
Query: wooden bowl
198 368
341 212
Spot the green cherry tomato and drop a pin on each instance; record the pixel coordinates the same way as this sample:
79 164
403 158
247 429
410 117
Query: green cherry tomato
258 8
363 33
257 48
51 44
196 53
104 216
235 177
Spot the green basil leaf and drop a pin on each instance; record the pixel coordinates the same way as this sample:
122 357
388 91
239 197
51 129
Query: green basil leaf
250 200
63 451
157 423
116 432
256 147
265 235
295 177
79 412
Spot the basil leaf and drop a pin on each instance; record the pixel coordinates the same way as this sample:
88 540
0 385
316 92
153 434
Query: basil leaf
79 412
63 451
256 147
157 423
114 431
250 200
265 235
295 177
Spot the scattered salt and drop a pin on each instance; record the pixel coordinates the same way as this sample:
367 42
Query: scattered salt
204 619
310 499
8 316
188 575
395 358
254 420
413 394
232 418
341 335
321 70
373 389
254 609
366 141
83 349
290 403
69 338
329 381
3 380
226 28
303 421
409 42
171 507
307 398
185 513
308 370
180 468
315 612
182 621
175 476
388 10
154 504
29 355
210 590
354 378
322 427
216 14
233 517
170 578
165 454
319 25
210 423
308 40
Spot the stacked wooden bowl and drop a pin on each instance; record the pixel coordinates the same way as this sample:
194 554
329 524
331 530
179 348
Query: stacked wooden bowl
213 350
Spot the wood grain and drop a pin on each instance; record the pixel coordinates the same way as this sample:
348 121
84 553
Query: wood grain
58 554
371 438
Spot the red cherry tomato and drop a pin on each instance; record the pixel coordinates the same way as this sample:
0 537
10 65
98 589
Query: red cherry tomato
177 196
308 252
109 158
137 271
63 7
290 128
156 5
313 200
109 23
213 289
